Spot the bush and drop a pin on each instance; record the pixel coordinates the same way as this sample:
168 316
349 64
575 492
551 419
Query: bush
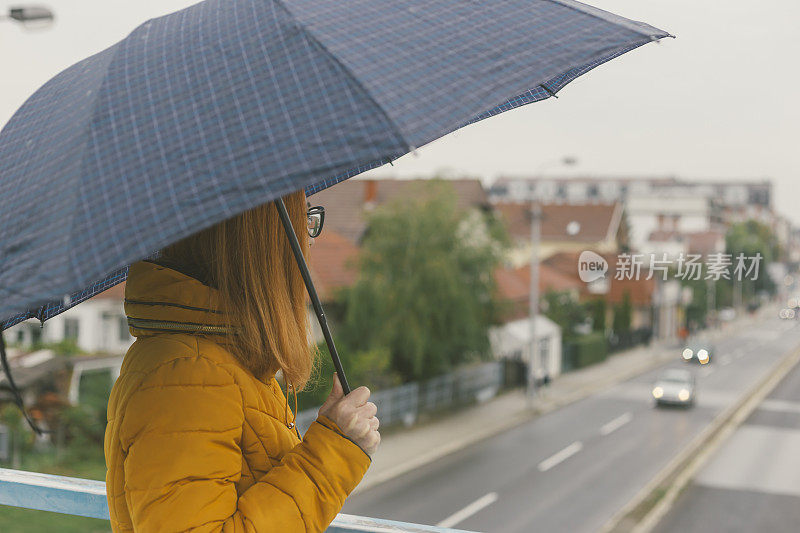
585 350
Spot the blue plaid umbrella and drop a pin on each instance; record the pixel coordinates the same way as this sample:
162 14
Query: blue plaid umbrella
207 112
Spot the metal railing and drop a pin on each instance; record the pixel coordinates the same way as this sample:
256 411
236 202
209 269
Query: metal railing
84 497
403 404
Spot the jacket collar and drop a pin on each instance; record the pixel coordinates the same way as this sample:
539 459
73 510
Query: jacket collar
162 299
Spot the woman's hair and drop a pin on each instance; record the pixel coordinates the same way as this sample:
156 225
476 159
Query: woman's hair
250 262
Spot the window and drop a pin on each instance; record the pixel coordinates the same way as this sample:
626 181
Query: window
36 333
71 329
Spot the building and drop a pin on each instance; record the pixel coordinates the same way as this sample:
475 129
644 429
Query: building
513 288
512 340
351 201
564 228
747 197
640 292
97 325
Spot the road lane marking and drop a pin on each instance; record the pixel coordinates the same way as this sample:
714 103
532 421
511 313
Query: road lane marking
725 360
782 406
469 510
610 427
561 456
705 372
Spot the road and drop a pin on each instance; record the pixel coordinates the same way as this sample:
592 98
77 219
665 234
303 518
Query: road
572 469
752 483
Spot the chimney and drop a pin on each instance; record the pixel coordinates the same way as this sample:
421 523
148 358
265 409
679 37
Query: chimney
370 194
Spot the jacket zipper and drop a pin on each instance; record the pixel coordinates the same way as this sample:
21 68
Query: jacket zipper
144 323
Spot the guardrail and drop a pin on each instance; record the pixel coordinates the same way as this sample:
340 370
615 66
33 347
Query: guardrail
403 404
84 497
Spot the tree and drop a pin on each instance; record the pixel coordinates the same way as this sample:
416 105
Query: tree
750 238
11 417
564 310
363 367
623 315
598 308
425 291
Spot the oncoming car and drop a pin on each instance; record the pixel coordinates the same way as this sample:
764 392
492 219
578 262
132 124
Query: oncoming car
698 352
675 387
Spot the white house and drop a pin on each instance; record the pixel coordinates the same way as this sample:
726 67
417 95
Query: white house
97 325
512 340
678 214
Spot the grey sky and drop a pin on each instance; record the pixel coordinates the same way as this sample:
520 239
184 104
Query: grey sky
718 102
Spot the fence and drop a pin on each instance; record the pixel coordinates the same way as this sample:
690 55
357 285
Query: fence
84 497
405 403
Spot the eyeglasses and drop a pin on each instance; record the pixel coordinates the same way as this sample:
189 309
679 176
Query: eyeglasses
316 218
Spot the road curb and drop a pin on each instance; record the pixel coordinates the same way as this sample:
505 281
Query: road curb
646 509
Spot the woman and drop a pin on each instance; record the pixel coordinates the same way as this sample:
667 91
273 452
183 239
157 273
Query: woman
200 435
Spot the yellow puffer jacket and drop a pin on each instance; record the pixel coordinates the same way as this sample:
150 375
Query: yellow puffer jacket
196 442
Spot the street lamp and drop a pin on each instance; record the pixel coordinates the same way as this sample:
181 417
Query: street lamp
536 231
28 14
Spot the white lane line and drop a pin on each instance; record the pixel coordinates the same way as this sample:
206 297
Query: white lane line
781 406
469 510
705 372
725 360
561 456
610 427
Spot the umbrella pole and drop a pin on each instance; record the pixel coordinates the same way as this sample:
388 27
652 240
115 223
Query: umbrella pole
312 292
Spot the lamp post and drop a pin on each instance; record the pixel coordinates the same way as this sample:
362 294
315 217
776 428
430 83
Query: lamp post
26 14
533 298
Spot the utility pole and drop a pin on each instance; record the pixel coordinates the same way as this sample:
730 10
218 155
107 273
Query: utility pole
26 14
711 290
533 304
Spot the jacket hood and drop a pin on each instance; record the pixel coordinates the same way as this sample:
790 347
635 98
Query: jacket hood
160 299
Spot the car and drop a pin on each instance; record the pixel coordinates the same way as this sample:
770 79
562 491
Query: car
726 314
675 386
698 351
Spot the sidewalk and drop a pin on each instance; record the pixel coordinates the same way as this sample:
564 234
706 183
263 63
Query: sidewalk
406 450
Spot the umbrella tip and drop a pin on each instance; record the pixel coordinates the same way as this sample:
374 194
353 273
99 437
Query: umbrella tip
549 91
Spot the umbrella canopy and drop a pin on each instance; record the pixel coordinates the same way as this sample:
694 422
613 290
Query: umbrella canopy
207 112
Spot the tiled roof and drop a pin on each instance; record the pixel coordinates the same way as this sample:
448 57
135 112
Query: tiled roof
514 284
593 222
347 203
640 290
666 236
706 242
332 261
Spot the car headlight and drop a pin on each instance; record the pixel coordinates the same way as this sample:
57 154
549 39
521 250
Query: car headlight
658 392
687 353
702 356
683 395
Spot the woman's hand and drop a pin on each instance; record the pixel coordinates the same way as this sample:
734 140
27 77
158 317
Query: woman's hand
354 415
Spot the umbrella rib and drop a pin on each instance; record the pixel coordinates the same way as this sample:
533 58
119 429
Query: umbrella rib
353 78
606 16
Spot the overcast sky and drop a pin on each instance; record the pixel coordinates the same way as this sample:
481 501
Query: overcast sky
719 102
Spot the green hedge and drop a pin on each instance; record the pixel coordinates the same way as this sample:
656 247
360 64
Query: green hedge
586 350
